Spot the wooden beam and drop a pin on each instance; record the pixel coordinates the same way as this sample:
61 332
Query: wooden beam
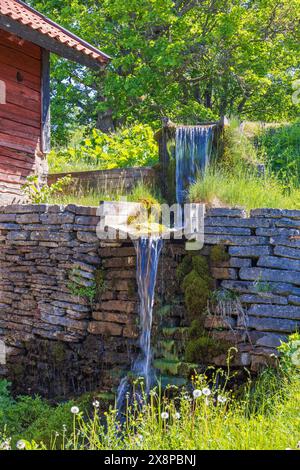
48 43
45 102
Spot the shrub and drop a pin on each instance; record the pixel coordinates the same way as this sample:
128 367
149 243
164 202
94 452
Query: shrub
37 192
128 147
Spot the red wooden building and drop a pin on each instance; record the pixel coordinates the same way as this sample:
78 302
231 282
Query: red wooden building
26 39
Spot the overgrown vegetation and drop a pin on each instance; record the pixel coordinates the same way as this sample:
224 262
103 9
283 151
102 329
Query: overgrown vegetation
128 147
237 181
264 414
38 193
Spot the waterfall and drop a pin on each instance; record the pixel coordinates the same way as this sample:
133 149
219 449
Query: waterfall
193 151
148 251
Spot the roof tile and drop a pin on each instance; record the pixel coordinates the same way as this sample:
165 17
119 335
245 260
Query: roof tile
19 11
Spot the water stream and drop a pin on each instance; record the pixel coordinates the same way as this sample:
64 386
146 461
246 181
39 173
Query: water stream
193 152
148 251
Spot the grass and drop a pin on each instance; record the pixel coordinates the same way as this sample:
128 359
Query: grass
263 415
241 188
142 193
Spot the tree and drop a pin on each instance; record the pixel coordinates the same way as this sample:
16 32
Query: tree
190 60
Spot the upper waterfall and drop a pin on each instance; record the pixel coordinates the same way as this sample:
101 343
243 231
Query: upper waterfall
193 152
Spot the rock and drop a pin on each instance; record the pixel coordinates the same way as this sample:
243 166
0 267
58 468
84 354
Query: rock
119 306
294 299
7 217
279 263
28 218
272 324
249 251
52 219
287 252
275 213
234 240
275 231
104 328
263 298
226 230
279 288
224 273
50 236
291 241
275 311
225 212
240 262
87 220
236 222
87 237
270 340
264 274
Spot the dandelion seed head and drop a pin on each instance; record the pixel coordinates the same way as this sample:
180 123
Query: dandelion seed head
197 393
221 399
21 445
165 415
206 391
177 415
74 410
96 403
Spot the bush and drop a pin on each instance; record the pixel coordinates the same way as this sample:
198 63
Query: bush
128 147
280 147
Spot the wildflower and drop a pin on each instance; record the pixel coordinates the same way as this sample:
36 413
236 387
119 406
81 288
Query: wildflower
164 415
75 410
64 427
96 404
5 445
221 399
177 415
197 393
21 445
206 391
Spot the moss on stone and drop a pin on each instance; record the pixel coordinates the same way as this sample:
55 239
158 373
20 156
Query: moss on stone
218 254
58 352
100 281
204 348
184 268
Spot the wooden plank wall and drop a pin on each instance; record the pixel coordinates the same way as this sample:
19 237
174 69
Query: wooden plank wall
20 116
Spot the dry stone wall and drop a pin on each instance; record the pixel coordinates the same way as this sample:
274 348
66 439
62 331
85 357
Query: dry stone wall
69 302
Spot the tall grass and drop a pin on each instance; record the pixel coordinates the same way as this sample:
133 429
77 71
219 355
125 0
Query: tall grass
240 187
263 415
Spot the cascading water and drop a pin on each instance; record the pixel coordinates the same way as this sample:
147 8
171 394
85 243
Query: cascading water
193 151
148 251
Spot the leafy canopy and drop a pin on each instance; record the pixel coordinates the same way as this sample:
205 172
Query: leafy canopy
188 59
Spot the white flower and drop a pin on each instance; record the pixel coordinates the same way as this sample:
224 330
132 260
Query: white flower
206 391
197 393
21 445
96 404
75 410
221 399
164 415
177 415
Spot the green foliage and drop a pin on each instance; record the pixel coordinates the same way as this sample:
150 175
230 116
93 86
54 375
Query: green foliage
38 193
129 147
280 148
190 61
